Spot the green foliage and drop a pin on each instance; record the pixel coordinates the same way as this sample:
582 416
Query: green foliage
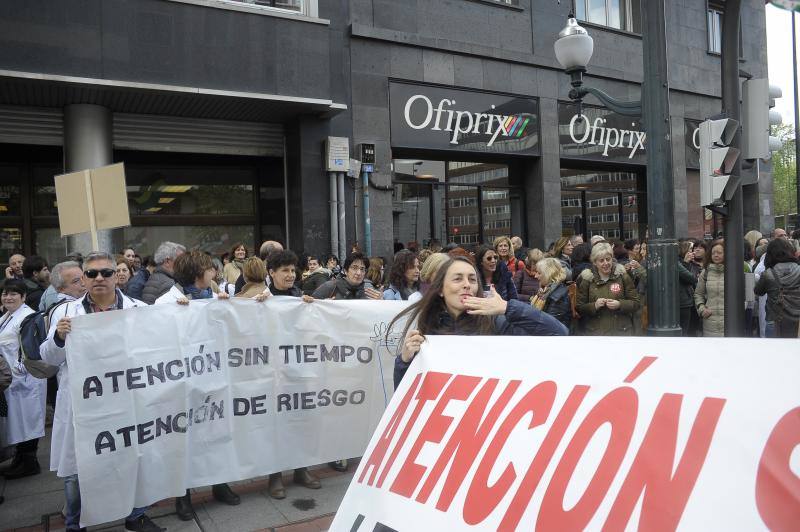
784 174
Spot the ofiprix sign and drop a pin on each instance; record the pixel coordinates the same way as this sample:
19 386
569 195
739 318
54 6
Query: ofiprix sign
438 118
521 433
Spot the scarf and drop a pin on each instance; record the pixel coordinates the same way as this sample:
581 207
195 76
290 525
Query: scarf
196 293
540 299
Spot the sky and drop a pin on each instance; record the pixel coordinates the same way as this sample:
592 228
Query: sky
779 51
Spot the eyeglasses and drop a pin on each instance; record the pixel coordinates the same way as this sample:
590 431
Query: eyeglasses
356 269
105 272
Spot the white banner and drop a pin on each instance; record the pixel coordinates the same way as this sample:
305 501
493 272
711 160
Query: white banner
168 397
514 433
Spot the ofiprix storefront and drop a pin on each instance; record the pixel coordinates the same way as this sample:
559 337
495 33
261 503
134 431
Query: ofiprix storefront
459 160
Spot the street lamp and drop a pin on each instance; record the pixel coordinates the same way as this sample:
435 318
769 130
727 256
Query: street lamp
574 48
573 51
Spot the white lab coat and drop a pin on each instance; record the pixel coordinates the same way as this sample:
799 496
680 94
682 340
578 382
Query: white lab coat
175 294
27 395
62 445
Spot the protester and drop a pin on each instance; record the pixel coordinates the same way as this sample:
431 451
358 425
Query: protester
505 250
779 232
494 273
66 281
140 278
162 279
404 276
124 269
781 284
193 272
520 251
102 296
254 271
314 276
576 240
36 276
526 280
281 270
597 238
376 273
220 284
353 285
709 296
233 269
24 400
686 285
562 250
454 305
14 268
137 263
607 298
130 256
427 273
267 248
423 255
332 265
580 260
553 296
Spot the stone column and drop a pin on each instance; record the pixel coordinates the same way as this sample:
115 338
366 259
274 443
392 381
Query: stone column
87 144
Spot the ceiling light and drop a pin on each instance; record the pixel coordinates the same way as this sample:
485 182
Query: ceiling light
166 200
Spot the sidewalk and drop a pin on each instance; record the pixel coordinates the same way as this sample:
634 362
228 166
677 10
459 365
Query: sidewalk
34 504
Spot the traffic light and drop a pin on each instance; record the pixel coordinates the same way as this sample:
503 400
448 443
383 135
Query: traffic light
716 159
758 98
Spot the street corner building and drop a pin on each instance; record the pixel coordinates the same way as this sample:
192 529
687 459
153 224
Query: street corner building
221 111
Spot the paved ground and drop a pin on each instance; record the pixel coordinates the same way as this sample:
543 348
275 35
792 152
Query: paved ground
34 503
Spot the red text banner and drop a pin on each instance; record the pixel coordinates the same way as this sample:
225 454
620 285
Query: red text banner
520 433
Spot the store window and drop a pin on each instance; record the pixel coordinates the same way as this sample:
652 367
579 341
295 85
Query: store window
462 202
206 202
605 203
619 14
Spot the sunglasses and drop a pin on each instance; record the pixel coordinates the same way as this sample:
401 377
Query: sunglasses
492 258
105 272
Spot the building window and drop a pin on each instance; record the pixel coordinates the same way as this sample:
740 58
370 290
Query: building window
620 14
295 6
714 30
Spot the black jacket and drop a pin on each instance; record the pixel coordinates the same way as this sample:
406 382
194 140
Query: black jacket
505 286
157 285
35 293
783 277
520 319
340 288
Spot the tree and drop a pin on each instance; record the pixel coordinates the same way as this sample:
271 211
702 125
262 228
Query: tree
784 173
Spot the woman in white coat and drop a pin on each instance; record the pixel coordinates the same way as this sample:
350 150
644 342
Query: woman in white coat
22 419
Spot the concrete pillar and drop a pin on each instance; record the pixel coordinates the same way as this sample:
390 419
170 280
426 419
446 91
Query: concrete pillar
542 179
87 144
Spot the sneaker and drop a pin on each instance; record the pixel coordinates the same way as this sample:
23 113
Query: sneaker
142 524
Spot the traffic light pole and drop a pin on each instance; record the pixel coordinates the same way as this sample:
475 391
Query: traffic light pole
662 248
734 230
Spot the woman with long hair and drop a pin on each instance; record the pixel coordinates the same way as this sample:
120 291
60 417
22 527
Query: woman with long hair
453 305
233 269
404 277
781 283
553 296
494 273
709 296
505 250
562 250
376 272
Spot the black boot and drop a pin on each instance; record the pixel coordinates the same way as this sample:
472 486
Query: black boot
28 466
183 507
224 493
142 524
13 464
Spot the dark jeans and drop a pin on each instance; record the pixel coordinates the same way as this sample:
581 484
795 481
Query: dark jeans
691 324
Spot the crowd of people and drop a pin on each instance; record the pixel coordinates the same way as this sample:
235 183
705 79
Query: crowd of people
573 287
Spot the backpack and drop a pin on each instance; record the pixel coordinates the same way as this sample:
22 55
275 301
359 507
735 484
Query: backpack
788 300
32 333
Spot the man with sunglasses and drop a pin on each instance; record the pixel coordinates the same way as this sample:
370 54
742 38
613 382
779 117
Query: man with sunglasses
100 279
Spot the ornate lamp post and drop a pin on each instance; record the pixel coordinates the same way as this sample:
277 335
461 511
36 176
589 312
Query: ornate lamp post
573 51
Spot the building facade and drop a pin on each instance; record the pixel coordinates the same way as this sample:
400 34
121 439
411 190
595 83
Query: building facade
220 110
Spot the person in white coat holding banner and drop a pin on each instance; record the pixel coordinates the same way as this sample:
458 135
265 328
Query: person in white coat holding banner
100 278
22 405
